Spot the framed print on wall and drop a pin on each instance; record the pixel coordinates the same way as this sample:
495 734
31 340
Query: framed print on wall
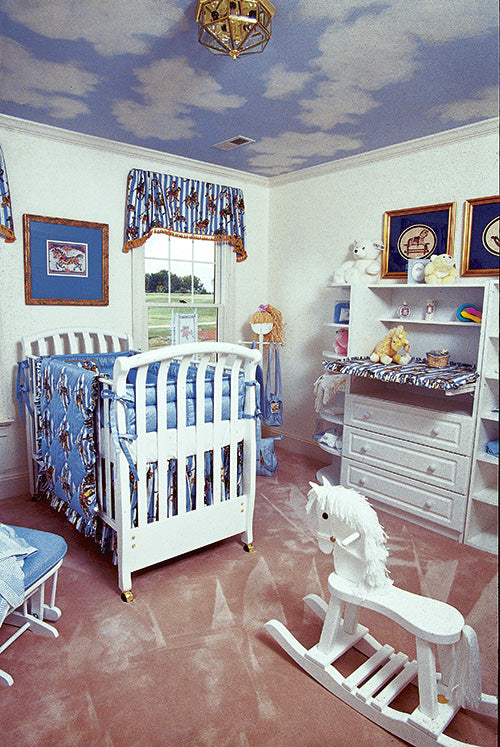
65 262
416 233
481 237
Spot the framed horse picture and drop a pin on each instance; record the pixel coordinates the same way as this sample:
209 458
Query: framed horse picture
481 237
416 233
65 262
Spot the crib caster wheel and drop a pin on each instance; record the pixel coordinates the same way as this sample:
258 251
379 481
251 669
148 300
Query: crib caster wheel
249 547
35 498
127 596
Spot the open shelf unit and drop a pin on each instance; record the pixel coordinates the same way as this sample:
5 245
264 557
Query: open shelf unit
481 529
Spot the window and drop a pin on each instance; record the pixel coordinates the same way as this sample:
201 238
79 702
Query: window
183 286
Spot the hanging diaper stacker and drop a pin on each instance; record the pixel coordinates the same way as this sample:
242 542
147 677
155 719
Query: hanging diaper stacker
273 413
350 526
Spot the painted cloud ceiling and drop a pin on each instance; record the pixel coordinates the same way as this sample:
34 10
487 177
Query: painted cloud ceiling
338 77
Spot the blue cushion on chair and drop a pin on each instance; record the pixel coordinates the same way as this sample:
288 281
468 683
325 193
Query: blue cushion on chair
51 549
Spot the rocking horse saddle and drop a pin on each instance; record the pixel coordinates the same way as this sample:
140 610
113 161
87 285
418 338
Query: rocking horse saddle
426 618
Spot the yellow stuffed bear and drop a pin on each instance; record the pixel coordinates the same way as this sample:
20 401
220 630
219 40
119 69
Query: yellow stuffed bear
387 351
441 269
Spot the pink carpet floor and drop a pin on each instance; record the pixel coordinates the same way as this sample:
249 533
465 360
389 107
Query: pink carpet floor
189 663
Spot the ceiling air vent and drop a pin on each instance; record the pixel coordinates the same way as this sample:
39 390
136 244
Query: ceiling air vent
233 142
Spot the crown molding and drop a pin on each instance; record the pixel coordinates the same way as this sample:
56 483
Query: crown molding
36 129
479 129
71 137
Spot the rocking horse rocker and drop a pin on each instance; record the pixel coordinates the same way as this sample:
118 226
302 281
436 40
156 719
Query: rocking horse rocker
349 525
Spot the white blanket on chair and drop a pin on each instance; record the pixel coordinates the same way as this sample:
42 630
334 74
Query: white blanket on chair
13 550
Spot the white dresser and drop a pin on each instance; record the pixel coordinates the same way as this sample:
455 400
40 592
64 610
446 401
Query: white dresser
410 458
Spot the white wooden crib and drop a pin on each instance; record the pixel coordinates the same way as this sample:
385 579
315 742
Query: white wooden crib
125 462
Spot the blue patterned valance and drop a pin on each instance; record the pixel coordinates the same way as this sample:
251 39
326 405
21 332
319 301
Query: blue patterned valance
183 207
6 222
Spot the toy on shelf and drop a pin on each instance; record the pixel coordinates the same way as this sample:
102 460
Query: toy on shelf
438 358
340 342
389 349
441 270
430 309
468 312
366 265
348 526
341 312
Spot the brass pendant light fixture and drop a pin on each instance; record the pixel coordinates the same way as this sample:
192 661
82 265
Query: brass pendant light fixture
234 27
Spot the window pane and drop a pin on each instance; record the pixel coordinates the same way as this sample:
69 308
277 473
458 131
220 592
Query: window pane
203 283
203 251
181 248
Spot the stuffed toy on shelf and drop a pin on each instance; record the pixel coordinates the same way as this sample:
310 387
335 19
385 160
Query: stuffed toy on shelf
389 349
365 267
441 270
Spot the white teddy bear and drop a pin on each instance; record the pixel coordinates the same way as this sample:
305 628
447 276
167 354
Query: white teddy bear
366 265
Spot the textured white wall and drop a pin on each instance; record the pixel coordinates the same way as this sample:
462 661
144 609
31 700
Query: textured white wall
317 215
58 174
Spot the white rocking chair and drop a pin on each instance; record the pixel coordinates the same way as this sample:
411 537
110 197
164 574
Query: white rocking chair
37 607
349 525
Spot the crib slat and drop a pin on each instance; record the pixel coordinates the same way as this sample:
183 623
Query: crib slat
162 441
140 429
218 428
183 498
201 430
58 344
72 343
101 343
233 415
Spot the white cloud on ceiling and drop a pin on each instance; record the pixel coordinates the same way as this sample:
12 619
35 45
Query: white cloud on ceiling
483 106
281 82
291 150
111 27
379 48
335 104
46 85
166 107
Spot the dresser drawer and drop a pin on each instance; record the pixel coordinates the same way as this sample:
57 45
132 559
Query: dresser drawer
443 430
430 465
441 507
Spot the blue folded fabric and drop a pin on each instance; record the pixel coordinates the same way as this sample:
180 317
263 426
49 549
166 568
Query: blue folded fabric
13 550
492 448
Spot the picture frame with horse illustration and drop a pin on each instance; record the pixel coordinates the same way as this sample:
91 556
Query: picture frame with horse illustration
65 262
416 233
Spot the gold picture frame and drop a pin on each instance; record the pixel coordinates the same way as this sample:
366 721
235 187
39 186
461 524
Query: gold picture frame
481 242
65 262
416 233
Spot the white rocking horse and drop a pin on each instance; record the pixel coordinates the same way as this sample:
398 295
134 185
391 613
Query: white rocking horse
350 526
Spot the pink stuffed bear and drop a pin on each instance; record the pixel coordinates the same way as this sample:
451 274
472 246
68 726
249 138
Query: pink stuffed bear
340 342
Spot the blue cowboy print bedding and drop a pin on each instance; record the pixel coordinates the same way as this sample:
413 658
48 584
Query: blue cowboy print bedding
69 391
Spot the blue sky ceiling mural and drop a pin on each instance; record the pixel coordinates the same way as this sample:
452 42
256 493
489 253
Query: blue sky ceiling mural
338 77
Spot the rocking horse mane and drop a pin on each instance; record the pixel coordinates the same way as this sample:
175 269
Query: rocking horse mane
353 509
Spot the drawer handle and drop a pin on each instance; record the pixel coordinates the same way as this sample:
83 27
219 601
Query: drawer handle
362 481
367 415
434 431
428 504
364 449
432 468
